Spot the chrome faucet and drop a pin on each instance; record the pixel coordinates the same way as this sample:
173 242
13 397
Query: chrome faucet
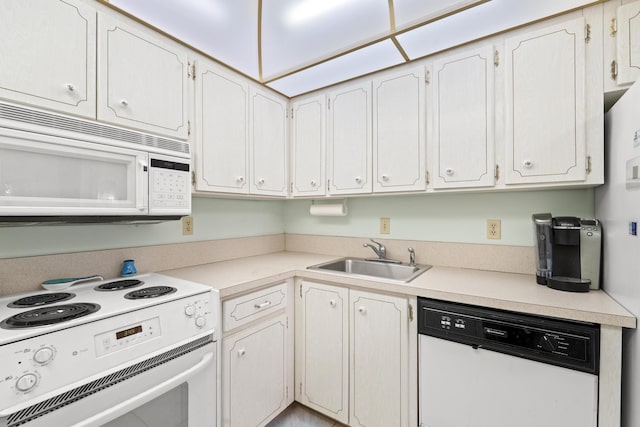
412 257
381 250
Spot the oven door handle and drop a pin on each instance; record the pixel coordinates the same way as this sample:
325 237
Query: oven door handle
150 394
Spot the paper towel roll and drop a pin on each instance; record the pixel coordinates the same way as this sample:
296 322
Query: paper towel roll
328 210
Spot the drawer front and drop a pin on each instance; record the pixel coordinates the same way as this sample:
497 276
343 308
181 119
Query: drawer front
247 308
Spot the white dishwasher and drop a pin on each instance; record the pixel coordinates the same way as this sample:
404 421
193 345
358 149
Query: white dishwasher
490 368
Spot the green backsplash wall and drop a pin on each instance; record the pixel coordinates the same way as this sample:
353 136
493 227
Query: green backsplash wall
443 217
433 217
213 219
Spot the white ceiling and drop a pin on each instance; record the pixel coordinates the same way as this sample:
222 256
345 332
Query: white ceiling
296 46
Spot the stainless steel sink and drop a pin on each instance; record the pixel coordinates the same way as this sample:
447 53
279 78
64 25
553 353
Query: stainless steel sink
389 271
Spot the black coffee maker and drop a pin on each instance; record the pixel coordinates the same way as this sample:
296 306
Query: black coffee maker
567 252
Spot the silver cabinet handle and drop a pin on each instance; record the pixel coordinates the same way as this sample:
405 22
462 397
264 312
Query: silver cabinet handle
263 305
70 87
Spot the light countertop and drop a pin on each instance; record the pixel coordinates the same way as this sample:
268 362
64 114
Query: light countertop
507 291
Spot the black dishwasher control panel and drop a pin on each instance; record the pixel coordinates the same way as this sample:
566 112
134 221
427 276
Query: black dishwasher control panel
564 343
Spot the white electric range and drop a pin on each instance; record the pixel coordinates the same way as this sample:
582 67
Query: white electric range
115 352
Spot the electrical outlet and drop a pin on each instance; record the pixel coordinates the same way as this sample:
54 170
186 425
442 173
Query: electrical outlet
385 225
187 225
493 229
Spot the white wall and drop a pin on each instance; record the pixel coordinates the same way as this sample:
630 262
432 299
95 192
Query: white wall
443 217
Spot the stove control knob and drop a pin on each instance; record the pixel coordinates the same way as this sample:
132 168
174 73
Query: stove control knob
548 343
190 310
201 321
43 355
26 382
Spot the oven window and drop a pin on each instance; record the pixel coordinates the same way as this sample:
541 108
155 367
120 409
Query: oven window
168 410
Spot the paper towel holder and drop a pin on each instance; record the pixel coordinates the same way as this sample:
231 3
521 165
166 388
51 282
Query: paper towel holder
328 208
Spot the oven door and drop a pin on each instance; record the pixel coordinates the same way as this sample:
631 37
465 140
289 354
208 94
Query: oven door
168 390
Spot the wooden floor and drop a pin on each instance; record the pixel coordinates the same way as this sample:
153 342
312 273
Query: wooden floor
297 415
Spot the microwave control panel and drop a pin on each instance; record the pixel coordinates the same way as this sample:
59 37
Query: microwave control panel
169 185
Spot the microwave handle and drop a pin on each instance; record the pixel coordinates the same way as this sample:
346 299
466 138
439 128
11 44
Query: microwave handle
147 396
141 184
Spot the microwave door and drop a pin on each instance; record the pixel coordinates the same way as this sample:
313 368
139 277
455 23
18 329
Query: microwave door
42 175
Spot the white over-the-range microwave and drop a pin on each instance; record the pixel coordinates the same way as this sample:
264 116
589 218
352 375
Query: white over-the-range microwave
60 169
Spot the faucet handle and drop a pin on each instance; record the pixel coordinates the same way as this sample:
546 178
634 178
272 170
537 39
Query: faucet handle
412 256
380 245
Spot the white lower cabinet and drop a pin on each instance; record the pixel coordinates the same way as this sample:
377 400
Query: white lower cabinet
355 361
257 360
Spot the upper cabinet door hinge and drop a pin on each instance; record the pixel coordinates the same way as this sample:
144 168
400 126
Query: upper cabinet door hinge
587 33
193 177
426 177
497 173
427 77
191 70
588 165
329 104
410 313
496 58
614 70
300 290
188 127
613 27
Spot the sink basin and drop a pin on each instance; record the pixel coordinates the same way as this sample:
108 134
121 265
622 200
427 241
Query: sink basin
389 271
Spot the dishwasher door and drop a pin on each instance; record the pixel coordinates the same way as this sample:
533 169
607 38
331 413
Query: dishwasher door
463 386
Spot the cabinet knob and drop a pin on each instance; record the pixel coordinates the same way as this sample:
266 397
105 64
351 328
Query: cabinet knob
241 352
314 183
385 177
240 179
124 103
332 302
527 164
70 87
362 310
260 181
358 179
449 171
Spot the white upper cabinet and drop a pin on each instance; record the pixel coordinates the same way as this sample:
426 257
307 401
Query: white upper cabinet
545 105
47 50
628 43
349 140
142 79
308 146
463 119
399 132
222 130
268 143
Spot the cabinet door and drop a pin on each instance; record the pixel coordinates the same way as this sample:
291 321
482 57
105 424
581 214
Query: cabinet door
322 345
142 79
399 132
308 146
349 140
463 105
222 134
48 54
379 348
628 43
268 144
254 374
545 105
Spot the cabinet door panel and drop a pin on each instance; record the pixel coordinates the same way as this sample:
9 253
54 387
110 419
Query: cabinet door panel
399 132
379 360
545 89
254 386
628 43
222 136
268 139
142 80
463 105
48 55
308 147
349 140
322 345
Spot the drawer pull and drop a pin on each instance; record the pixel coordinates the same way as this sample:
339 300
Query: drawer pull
263 305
